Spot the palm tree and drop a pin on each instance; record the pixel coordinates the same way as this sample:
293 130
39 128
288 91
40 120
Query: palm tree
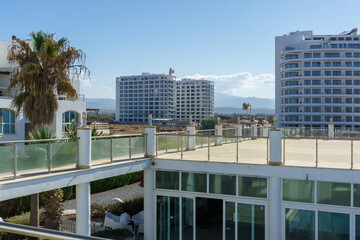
44 69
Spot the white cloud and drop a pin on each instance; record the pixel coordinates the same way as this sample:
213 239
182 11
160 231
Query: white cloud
85 80
106 89
242 84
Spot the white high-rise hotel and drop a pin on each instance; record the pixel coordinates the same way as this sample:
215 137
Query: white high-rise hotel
164 97
317 79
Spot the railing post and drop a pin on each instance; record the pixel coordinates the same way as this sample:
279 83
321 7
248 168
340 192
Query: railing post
150 142
181 147
274 206
275 147
238 131
166 139
254 130
331 132
83 224
15 160
237 149
218 134
191 138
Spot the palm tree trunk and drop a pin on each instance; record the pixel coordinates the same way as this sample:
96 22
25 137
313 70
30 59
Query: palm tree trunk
34 210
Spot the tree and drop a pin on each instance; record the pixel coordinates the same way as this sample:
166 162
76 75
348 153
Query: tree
209 123
45 67
44 70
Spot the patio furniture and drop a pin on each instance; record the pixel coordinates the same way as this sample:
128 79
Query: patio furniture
117 222
138 220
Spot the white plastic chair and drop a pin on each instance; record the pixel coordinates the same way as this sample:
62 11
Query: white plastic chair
138 220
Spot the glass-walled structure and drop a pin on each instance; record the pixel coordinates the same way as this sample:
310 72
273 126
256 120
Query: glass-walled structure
195 205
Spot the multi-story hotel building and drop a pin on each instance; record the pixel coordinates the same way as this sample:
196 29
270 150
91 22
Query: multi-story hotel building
164 97
317 79
14 126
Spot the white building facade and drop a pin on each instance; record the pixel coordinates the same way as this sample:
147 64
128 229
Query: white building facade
317 80
164 97
14 126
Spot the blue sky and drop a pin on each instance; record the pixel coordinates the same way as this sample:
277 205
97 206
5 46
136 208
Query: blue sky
222 40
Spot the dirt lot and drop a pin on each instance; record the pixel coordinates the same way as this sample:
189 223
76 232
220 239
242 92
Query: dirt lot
139 128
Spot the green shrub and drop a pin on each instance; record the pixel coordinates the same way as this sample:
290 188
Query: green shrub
209 123
98 210
114 182
118 234
131 207
68 192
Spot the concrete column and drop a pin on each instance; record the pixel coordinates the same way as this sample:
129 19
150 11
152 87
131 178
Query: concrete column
218 132
150 142
83 190
275 147
331 131
191 139
238 130
149 207
254 130
34 210
274 208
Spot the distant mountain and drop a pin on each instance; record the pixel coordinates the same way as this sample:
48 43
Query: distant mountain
223 104
228 110
101 103
222 100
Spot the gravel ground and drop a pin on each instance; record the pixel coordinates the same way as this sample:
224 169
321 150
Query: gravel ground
124 193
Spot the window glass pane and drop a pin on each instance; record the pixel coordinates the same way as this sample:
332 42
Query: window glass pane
187 218
356 195
222 184
357 227
298 190
333 226
300 224
6 117
193 182
12 117
230 220
6 128
167 218
333 193
253 187
251 222
167 180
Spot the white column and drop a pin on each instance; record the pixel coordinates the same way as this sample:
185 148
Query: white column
83 209
274 209
275 147
218 132
149 208
83 190
254 130
150 142
331 131
238 130
191 139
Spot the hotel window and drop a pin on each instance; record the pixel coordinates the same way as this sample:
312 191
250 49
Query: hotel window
307 118
307 100
348 100
316 118
336 109
316 55
336 100
298 190
357 109
327 73
307 91
253 187
307 64
308 82
316 91
356 119
306 55
356 73
307 109
67 117
348 109
327 82
316 82
167 180
348 54
316 100
307 73
331 55
327 64
316 73
356 100
336 91
333 193
336 82
348 82
356 64
327 109
348 73
356 54
348 64
7 121
316 109
336 73
222 184
315 64
348 91
356 91
348 118
336 64
193 182
300 224
327 91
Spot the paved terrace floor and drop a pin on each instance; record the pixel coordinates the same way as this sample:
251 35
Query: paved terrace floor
329 153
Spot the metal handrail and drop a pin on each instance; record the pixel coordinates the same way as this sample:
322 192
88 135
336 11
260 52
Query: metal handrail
38 140
42 232
120 136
